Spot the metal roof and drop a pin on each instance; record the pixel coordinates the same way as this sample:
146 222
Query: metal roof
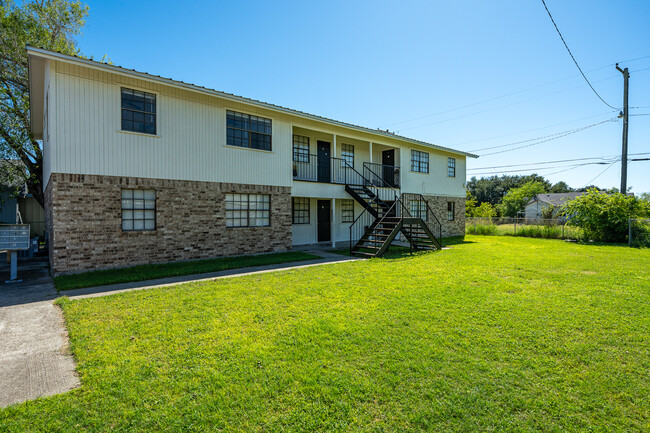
47 54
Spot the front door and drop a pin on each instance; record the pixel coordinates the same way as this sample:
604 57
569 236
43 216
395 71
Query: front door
323 156
324 216
388 161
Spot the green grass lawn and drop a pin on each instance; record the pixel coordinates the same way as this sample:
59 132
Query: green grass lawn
494 334
150 272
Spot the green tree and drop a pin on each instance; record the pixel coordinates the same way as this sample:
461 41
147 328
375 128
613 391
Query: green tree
560 187
515 200
493 189
49 24
485 210
470 204
604 217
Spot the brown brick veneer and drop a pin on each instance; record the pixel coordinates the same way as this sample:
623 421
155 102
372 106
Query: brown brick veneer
439 206
83 217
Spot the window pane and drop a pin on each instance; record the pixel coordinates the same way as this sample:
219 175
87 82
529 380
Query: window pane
138 225
127 225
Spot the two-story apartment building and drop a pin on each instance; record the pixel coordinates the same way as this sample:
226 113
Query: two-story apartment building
143 169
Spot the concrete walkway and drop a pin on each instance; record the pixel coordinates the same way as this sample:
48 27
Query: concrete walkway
34 359
325 259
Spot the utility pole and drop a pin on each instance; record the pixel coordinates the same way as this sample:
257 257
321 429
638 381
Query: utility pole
626 116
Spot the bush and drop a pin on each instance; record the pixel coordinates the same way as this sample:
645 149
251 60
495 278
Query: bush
546 232
604 217
481 229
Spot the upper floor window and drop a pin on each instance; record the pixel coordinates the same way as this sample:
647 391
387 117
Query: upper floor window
244 130
300 148
138 111
248 210
138 209
419 161
451 211
451 167
347 154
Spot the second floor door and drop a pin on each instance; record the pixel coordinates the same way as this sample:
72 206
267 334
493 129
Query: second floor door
323 157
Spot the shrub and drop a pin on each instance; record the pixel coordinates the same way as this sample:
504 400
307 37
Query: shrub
481 229
547 232
604 217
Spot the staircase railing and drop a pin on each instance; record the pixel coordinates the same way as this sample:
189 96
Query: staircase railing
429 216
366 218
382 175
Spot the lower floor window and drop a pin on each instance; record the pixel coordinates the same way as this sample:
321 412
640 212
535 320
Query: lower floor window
347 211
451 211
300 210
248 210
418 208
138 209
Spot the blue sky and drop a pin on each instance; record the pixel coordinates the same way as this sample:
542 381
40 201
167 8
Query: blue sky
463 74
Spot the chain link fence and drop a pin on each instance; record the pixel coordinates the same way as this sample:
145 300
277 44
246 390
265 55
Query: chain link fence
639 232
527 227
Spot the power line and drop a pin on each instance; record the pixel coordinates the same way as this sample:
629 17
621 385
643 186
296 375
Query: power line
499 107
534 129
571 54
552 137
633 60
541 163
571 166
492 99
602 172
607 158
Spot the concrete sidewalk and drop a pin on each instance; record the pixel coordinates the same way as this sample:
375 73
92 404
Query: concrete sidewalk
91 292
34 358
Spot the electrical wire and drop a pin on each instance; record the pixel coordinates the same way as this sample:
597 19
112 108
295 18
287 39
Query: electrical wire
552 137
602 172
534 129
574 59
541 163
499 107
605 159
571 166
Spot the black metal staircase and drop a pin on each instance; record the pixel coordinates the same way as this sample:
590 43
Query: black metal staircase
382 221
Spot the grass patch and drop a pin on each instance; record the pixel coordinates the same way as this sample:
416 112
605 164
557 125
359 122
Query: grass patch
151 272
495 334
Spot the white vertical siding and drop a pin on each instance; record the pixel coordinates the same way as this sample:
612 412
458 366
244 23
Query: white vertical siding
48 116
436 182
190 143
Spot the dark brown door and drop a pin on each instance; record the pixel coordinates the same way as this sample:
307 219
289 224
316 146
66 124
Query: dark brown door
323 156
324 217
388 161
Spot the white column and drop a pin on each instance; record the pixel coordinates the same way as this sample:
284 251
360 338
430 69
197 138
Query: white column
333 223
370 150
334 146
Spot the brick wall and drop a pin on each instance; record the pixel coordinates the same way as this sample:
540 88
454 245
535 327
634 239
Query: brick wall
83 215
439 206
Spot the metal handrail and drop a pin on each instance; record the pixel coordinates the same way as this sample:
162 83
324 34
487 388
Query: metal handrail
366 166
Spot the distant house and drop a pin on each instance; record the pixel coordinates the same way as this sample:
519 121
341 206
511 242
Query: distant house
537 204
